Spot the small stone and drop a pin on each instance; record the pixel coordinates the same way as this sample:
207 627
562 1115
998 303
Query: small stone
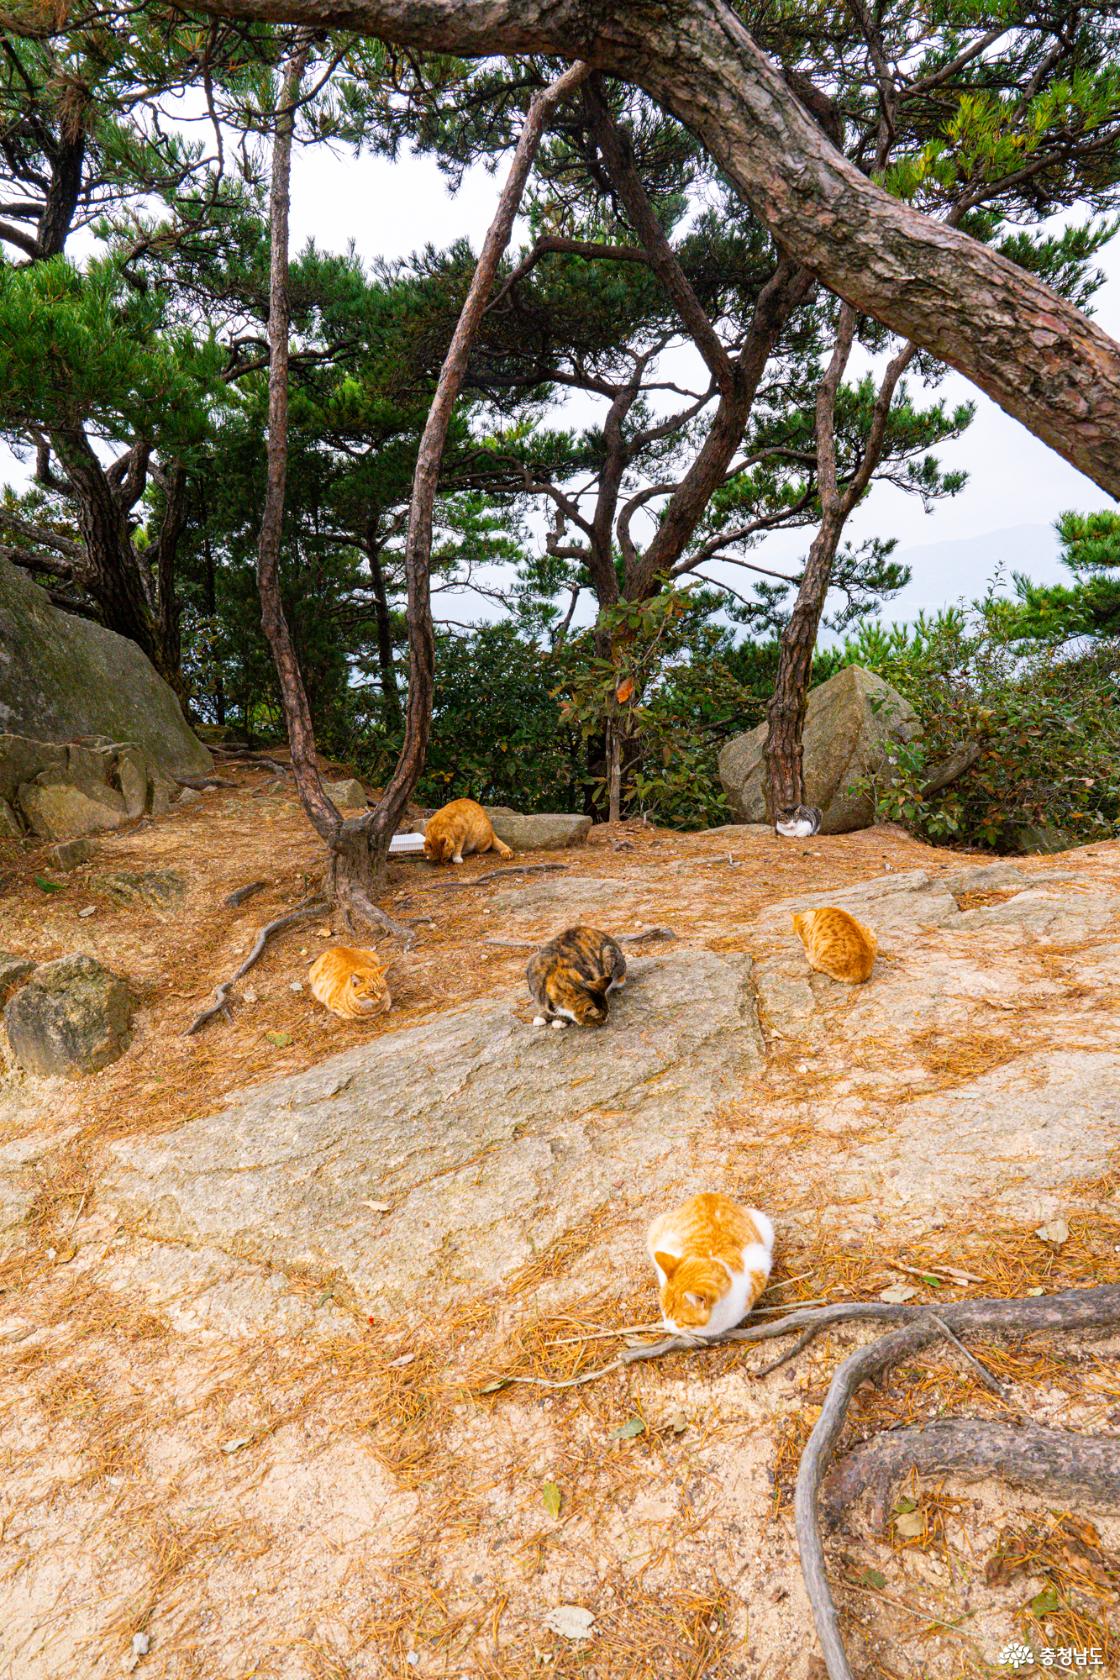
249 995
161 889
72 1017
141 1644
296 986
88 910
348 795
189 796
68 854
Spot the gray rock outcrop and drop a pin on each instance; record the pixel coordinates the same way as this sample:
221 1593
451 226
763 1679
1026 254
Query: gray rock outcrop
848 724
487 1138
72 1017
548 831
62 678
60 790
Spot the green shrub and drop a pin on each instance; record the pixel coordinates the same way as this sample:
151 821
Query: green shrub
1047 724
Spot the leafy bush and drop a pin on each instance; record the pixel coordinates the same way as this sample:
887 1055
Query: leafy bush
1047 725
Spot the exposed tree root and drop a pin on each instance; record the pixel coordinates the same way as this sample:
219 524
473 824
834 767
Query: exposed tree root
492 875
1073 1309
1066 1467
357 908
218 1004
233 899
1043 1459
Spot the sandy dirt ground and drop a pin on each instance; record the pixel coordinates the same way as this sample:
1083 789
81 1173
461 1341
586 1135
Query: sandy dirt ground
216 1470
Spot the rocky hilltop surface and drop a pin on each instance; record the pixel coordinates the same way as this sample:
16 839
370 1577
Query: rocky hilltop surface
260 1283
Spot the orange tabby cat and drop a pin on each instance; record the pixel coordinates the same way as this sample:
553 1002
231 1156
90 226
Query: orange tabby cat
836 944
713 1261
459 828
350 983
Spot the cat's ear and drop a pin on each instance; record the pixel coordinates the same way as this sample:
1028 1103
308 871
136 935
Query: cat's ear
667 1262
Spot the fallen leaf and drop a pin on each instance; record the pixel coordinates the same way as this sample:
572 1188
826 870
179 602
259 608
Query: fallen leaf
237 1444
48 886
89 910
677 1422
873 1578
553 1498
280 1039
296 986
492 1387
378 1207
898 1293
570 1621
903 1504
1037 1290
909 1525
405 1359
1055 1233
249 995
1046 1602
633 1426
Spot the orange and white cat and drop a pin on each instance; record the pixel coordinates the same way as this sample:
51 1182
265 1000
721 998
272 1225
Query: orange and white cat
713 1260
836 944
350 982
460 828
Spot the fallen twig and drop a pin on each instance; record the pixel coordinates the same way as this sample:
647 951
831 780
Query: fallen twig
233 899
492 875
218 1004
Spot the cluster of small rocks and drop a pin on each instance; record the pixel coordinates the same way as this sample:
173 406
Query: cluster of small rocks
57 790
68 1017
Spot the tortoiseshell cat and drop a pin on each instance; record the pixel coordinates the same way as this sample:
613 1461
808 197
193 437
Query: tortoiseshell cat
569 978
350 982
836 944
459 828
713 1262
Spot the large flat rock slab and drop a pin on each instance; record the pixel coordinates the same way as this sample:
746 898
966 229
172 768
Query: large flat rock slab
487 1138
982 1145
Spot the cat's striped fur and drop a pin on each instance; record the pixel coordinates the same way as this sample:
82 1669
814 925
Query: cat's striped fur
836 944
350 982
712 1259
459 828
570 977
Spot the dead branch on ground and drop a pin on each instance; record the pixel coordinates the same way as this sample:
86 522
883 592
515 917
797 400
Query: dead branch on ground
233 899
218 1004
492 875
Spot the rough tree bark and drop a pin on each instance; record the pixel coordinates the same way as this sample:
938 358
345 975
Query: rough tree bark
1035 354
785 783
358 846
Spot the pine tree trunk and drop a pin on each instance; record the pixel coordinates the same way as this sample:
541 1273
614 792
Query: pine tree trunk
785 783
390 693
